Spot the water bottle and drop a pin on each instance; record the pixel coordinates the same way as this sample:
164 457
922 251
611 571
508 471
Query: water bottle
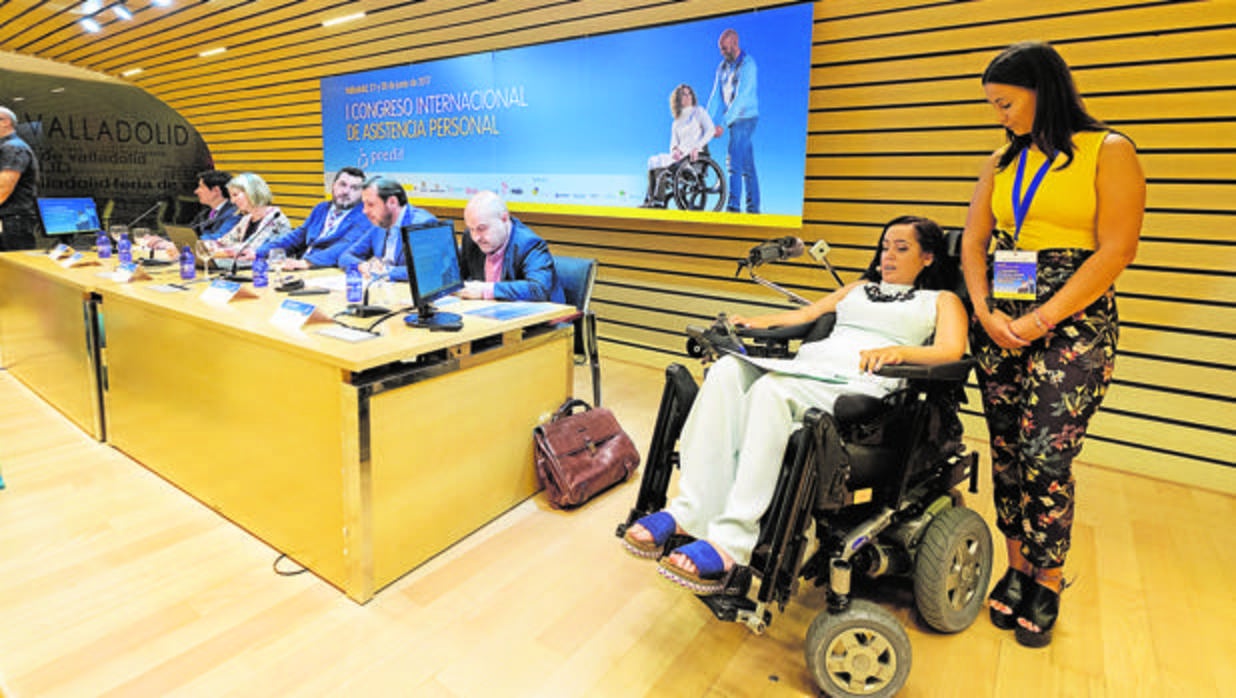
260 267
355 285
124 249
103 244
188 265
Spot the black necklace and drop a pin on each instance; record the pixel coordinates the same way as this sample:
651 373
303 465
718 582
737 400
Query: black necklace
876 295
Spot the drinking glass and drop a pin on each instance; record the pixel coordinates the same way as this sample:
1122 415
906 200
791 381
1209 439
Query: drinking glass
204 249
274 260
138 235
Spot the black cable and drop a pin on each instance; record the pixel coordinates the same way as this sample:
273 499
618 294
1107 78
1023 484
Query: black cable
286 573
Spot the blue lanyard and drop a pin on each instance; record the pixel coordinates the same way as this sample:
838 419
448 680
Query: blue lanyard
1021 208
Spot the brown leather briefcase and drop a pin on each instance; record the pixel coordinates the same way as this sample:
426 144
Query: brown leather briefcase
579 454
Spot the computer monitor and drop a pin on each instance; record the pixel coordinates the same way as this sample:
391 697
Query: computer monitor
69 216
433 272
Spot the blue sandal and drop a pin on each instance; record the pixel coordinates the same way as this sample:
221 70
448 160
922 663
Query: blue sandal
661 525
710 576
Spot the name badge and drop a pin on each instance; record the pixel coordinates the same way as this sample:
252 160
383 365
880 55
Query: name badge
59 251
292 314
1015 275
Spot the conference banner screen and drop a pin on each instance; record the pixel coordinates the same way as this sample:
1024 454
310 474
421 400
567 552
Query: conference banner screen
573 126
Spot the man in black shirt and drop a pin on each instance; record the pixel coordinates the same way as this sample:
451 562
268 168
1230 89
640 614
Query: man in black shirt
19 190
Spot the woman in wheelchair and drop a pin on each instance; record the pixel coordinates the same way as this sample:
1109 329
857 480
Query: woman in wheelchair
689 135
734 439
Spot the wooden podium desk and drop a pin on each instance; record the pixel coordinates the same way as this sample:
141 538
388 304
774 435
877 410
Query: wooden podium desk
359 461
48 334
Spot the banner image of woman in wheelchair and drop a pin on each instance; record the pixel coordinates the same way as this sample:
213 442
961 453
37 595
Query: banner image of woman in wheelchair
733 441
1064 200
690 132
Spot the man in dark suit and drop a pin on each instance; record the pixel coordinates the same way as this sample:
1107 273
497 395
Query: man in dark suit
380 250
219 214
331 228
502 258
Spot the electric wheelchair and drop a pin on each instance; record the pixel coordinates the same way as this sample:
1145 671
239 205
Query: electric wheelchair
878 480
693 185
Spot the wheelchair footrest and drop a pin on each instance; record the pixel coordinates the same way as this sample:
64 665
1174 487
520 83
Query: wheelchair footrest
727 608
733 604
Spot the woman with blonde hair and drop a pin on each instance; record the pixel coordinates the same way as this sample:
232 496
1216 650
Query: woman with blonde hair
260 218
689 136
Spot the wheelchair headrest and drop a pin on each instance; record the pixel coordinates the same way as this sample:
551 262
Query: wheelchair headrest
952 242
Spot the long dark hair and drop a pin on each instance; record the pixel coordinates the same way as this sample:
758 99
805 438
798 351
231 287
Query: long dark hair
1059 111
940 275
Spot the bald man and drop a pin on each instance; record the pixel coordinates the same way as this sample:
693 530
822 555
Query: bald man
502 258
19 176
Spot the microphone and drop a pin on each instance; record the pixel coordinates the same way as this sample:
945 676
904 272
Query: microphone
147 212
363 309
777 250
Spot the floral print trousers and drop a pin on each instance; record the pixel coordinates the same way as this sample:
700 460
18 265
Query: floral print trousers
1038 401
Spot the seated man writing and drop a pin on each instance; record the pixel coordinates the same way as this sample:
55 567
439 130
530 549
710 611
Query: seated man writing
331 228
501 258
734 439
380 251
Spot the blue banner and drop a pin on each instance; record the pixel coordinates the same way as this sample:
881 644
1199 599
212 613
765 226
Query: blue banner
575 126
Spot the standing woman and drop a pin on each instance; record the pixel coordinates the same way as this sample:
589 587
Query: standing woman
1065 198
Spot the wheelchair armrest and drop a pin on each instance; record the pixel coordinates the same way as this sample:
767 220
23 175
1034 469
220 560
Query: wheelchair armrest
774 334
952 371
819 328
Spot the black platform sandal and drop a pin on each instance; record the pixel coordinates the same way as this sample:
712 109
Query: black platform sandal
1037 615
1008 592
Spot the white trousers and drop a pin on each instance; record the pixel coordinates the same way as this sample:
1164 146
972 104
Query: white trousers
731 449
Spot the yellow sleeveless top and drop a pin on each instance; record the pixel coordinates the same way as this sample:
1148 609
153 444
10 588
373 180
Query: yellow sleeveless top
1064 209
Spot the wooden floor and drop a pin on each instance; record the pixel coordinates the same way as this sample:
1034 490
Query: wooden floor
115 583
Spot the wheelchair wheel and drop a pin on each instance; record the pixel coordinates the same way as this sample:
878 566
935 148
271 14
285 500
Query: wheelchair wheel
952 569
862 651
700 186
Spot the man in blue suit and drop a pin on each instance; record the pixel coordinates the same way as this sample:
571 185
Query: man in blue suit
381 249
218 214
501 258
331 228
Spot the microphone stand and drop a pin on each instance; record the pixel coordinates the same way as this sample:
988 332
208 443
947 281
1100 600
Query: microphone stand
818 252
147 212
794 297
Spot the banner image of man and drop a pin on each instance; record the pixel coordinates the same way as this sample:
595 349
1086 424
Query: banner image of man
734 105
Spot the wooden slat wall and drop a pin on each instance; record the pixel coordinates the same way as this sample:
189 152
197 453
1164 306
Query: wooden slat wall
897 125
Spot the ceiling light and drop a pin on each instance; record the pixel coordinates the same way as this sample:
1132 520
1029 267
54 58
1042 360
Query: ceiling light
340 20
161 3
90 7
121 11
90 25
212 52
130 71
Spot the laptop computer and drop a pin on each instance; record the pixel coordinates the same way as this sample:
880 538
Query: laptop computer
181 235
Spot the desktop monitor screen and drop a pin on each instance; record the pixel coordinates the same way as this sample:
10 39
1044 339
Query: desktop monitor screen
433 265
69 216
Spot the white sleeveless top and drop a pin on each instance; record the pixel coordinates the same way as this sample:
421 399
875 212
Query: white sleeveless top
901 315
